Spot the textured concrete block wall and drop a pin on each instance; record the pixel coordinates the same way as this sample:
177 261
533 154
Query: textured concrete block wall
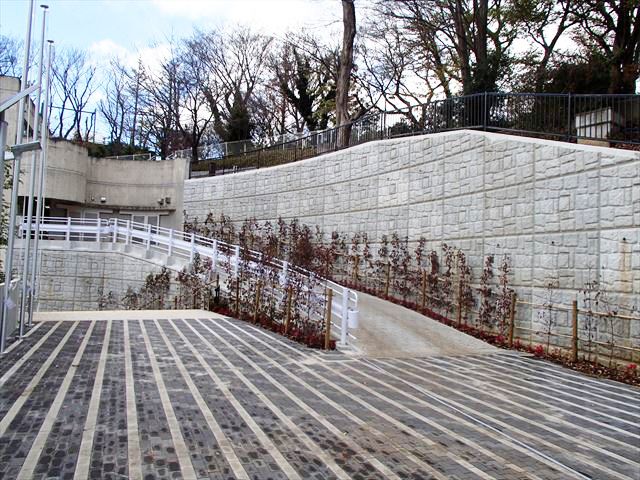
73 279
559 210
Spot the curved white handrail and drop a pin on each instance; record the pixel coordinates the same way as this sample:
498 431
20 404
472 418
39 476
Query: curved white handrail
176 243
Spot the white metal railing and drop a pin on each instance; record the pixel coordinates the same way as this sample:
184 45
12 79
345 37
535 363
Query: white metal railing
179 244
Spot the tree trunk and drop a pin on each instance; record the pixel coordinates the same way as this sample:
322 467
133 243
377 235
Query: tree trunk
344 74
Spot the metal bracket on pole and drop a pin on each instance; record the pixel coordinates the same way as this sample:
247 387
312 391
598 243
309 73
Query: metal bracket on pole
11 101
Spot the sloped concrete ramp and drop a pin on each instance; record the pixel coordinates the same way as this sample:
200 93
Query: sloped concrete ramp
389 330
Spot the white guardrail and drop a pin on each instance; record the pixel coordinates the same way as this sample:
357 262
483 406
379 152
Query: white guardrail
185 245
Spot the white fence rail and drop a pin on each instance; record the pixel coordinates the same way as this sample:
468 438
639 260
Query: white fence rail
179 244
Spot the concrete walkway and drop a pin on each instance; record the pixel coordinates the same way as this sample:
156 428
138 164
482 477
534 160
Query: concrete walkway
149 395
389 330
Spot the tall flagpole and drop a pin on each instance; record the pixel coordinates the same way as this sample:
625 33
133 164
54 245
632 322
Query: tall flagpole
43 165
27 286
16 179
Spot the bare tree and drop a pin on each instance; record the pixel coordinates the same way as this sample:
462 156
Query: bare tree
395 71
343 117
73 86
10 50
160 107
236 60
193 81
116 108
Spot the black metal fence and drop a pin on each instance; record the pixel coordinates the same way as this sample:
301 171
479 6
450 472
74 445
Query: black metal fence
607 118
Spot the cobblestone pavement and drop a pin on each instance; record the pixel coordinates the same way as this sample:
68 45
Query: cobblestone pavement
217 398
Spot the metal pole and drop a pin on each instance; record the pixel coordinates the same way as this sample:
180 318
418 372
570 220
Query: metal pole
3 145
35 266
16 178
27 286
569 117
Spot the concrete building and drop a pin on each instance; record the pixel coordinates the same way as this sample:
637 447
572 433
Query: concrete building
81 186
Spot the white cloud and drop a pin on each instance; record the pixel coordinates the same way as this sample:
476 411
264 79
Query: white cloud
103 51
273 16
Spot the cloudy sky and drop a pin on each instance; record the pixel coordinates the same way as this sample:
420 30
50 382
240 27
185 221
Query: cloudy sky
125 27
129 29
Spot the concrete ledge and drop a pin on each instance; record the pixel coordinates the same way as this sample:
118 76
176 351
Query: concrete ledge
89 315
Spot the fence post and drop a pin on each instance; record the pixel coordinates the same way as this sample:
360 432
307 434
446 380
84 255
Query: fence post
287 317
170 246
98 230
256 306
574 331
512 318
192 253
345 316
485 113
386 283
237 309
236 262
327 333
214 257
115 231
148 236
128 235
459 319
569 117
68 233
355 269
424 288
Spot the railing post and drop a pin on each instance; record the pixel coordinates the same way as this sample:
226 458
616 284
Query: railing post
236 261
327 333
285 272
569 117
574 331
214 257
148 236
287 317
68 232
192 252
115 231
485 113
345 316
170 246
237 306
98 230
512 318
127 240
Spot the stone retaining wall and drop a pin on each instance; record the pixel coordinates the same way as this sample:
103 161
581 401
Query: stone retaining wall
562 211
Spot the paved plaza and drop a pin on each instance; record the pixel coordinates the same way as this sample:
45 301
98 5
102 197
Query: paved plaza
202 396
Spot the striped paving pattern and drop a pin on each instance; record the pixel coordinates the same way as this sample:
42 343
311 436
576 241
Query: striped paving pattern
211 397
